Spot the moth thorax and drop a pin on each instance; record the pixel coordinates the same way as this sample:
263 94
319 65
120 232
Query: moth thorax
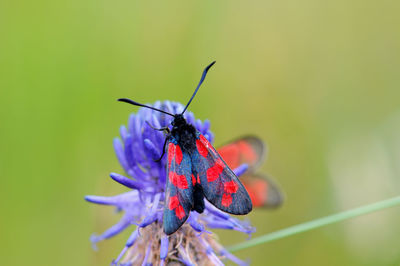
184 133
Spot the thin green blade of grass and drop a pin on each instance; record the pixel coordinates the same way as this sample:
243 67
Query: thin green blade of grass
338 217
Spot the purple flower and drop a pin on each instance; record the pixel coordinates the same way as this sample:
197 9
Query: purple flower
136 149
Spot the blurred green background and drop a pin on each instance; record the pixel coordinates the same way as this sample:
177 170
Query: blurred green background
317 80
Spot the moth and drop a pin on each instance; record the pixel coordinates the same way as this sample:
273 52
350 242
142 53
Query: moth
195 171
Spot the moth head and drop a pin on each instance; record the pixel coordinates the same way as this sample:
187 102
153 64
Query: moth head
178 120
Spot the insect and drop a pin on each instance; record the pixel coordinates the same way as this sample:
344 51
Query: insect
195 171
251 150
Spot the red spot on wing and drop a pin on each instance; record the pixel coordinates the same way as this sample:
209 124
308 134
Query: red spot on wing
226 200
193 180
178 154
204 146
201 148
205 142
173 202
247 152
214 171
230 187
171 152
180 212
178 180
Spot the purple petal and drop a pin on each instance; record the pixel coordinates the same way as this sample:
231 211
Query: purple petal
138 173
220 225
126 181
178 108
155 121
215 259
101 200
210 253
157 104
184 256
152 217
119 151
151 148
148 220
138 126
129 151
241 169
216 212
233 258
112 231
199 125
196 226
117 200
115 262
132 238
209 136
168 107
190 117
164 247
131 124
123 132
147 255
206 125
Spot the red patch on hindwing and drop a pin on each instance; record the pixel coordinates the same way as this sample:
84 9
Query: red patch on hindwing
247 151
231 155
230 187
178 180
258 192
193 180
214 171
226 200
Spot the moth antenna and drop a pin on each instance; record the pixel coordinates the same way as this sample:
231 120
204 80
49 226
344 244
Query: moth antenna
203 76
125 100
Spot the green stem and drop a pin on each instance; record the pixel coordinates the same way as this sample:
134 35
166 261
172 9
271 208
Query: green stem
317 223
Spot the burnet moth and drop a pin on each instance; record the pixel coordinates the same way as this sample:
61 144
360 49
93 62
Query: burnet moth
251 150
195 171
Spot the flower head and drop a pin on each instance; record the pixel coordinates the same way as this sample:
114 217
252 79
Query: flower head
136 149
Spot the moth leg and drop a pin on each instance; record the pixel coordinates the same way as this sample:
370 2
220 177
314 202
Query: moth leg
165 129
165 144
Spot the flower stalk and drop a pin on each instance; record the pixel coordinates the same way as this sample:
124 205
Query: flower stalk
314 224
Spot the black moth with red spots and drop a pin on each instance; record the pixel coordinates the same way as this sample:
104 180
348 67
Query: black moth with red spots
196 171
